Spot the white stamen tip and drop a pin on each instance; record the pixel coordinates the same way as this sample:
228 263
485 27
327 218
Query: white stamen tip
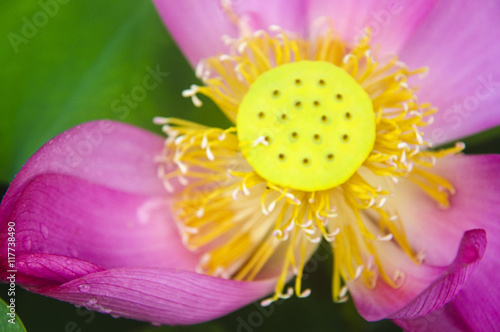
359 270
196 101
342 299
225 57
288 294
309 231
183 168
315 239
320 217
168 186
190 230
235 194
372 202
204 142
199 69
346 58
210 155
259 33
200 213
307 224
272 206
305 293
183 180
382 202
264 211
293 198
266 302
399 277
227 40
158 120
242 46
335 232
343 291
245 189
205 259
387 237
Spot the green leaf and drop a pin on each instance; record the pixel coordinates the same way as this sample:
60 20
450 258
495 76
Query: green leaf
65 64
9 321
206 327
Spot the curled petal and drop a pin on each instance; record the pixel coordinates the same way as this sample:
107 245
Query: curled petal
42 270
163 296
425 288
474 205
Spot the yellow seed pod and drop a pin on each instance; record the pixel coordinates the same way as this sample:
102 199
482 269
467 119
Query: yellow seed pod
306 125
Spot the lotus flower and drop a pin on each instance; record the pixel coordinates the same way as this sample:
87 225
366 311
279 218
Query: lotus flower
333 121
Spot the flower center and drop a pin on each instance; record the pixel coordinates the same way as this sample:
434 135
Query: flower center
323 132
306 125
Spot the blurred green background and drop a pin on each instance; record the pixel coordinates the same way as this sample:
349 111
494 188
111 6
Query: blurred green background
78 62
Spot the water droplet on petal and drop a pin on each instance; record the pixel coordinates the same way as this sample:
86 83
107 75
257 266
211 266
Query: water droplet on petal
27 244
92 301
115 316
84 288
105 310
45 231
73 252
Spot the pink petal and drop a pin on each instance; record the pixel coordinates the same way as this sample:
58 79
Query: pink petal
64 215
41 270
425 289
475 204
198 26
444 319
391 22
458 42
104 152
437 233
444 289
161 296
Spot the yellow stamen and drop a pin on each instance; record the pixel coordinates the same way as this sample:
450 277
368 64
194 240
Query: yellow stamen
244 211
